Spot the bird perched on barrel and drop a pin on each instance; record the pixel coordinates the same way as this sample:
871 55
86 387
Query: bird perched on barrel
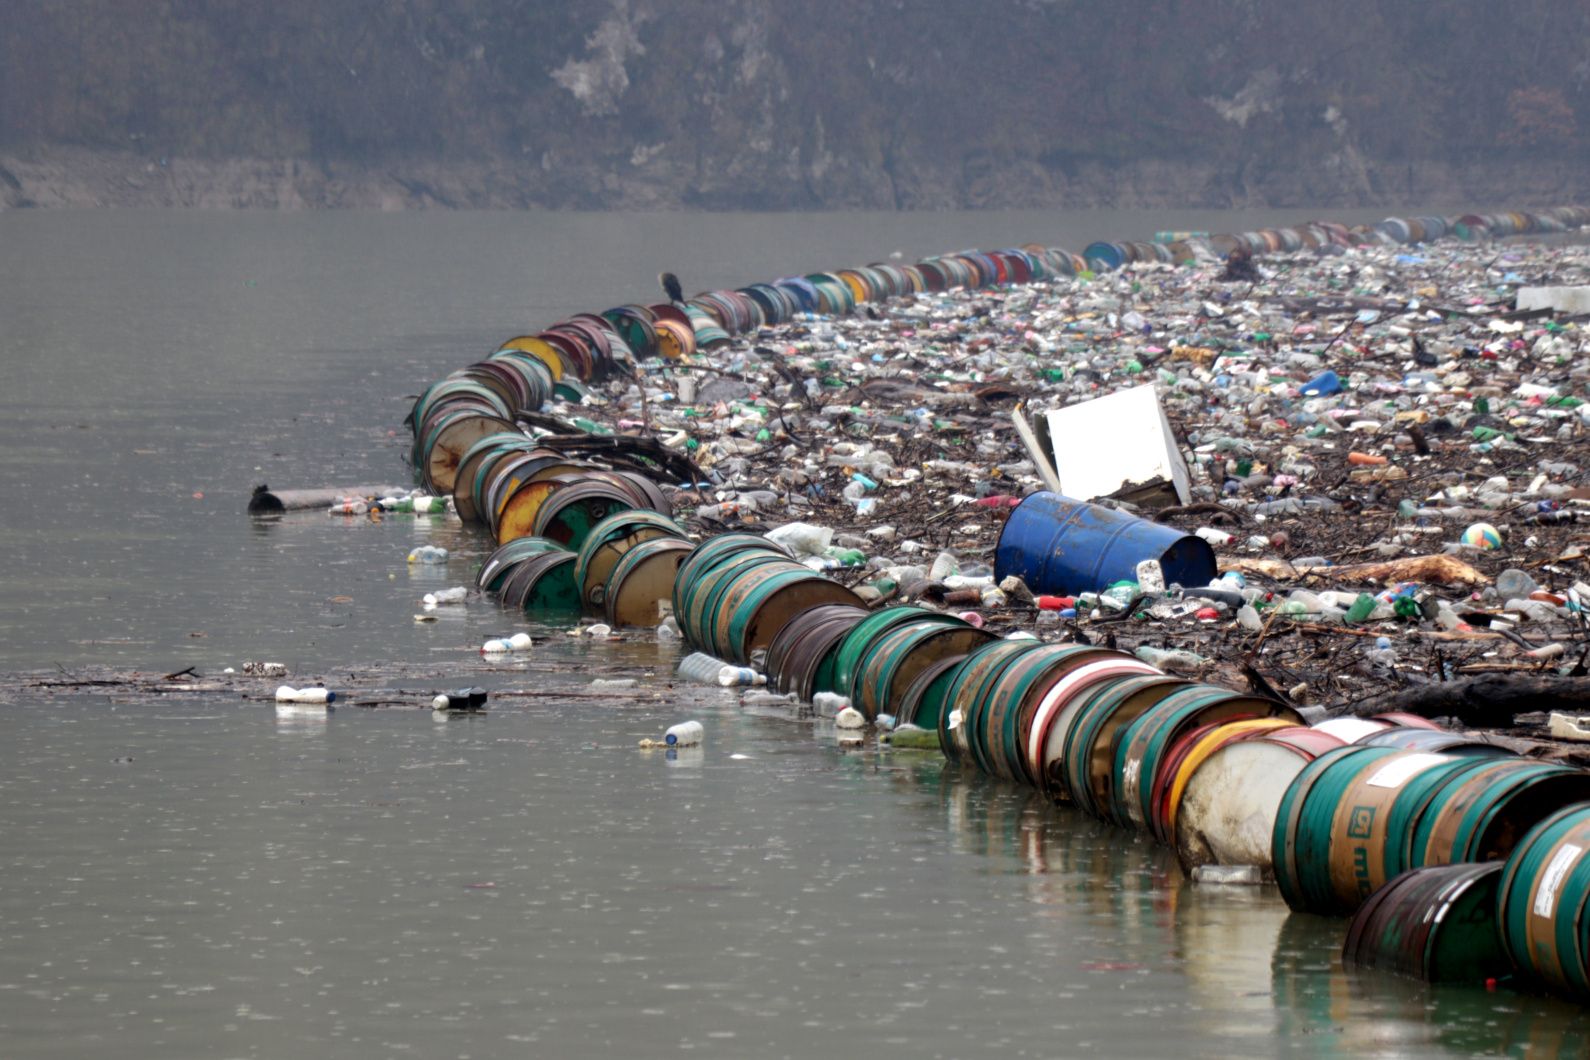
671 288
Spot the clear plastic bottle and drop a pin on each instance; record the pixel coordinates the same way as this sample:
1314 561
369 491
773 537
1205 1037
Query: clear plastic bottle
685 734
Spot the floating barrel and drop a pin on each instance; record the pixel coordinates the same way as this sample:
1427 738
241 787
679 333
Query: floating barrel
469 463
516 502
1227 811
1059 545
1480 813
543 583
569 514
444 447
1184 758
1141 746
701 571
1438 924
858 642
1057 712
922 703
1343 824
502 561
606 544
755 606
800 647
967 680
642 579
892 661
538 350
1104 257
1010 708
1541 903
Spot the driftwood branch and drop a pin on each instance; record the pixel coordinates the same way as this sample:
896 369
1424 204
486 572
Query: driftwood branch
1484 701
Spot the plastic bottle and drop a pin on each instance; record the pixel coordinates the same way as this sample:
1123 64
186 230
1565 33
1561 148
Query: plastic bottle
462 699
1170 658
289 694
685 734
503 645
1362 608
730 676
850 718
455 595
348 507
428 554
701 668
829 704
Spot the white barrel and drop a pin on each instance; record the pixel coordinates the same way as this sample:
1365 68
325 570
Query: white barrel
1227 811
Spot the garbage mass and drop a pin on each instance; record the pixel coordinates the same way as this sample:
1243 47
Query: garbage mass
1320 472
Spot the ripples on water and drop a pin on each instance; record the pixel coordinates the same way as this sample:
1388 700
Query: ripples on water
201 878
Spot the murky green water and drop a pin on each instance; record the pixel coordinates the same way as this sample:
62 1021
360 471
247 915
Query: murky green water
200 879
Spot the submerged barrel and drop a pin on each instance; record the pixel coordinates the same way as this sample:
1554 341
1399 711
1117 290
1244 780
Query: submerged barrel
606 544
1354 818
542 584
1543 903
1228 808
1144 745
641 580
798 649
1438 924
1059 545
501 563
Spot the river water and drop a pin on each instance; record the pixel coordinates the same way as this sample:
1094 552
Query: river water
200 879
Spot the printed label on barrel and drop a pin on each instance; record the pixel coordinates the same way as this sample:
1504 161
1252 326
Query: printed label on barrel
1400 771
1551 879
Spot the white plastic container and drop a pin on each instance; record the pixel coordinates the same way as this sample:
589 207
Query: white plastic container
289 694
685 734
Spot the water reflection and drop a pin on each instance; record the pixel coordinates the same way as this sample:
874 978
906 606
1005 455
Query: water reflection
1258 977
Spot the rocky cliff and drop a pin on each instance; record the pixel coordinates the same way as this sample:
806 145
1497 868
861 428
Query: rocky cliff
777 105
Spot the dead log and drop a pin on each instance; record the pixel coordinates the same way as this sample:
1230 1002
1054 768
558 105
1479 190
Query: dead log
1487 701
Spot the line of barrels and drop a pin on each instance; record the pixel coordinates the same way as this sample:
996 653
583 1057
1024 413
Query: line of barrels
484 401
1463 860
1469 227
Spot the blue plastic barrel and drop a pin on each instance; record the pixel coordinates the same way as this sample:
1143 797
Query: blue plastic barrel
1064 546
1104 257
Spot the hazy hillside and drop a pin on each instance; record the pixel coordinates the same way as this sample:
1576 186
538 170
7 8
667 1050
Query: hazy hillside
800 103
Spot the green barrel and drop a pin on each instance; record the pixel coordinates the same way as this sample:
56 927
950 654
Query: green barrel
1144 742
464 480
501 562
895 659
978 701
1542 902
640 581
1479 814
794 655
851 651
695 599
955 722
1012 703
1105 710
570 514
1412 801
922 703
1299 845
544 584
1437 923
606 544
